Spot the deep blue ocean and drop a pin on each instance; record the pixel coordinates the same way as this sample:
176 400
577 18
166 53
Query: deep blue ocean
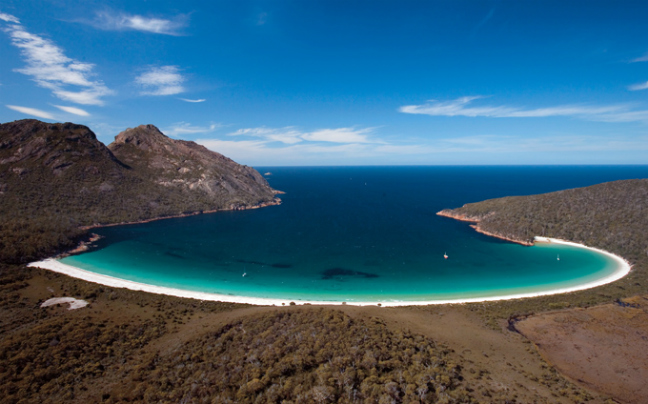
358 234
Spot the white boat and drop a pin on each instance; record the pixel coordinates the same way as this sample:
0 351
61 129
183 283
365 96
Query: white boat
445 256
558 257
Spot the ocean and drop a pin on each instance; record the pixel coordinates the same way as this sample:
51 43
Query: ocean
358 234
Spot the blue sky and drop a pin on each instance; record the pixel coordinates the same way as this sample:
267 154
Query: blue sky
341 82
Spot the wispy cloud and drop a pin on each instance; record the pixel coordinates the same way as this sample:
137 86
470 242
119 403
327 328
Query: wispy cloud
486 148
483 22
262 18
340 135
72 110
260 152
555 144
292 135
184 128
287 135
293 146
51 69
112 21
164 80
643 58
31 111
461 107
9 18
640 86
188 100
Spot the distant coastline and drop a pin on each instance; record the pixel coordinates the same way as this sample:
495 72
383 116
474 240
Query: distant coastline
621 270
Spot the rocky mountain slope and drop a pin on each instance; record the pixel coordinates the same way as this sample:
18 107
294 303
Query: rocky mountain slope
188 167
57 177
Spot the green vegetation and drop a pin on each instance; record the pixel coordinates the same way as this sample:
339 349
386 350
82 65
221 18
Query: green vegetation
612 216
305 356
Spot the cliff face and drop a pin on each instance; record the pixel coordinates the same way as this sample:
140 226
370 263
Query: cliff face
189 167
56 177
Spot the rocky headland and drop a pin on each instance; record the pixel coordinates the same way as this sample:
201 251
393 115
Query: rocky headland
57 180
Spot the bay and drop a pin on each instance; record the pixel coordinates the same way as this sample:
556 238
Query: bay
358 234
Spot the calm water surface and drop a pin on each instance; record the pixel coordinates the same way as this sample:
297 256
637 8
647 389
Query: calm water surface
358 234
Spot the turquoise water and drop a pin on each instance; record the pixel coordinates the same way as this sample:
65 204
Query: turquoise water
357 234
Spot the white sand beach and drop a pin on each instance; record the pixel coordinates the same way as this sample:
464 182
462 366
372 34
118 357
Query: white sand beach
622 269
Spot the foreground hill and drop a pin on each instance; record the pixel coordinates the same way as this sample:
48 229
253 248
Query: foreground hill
57 177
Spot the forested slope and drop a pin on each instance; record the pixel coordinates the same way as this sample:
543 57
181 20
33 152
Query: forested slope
612 216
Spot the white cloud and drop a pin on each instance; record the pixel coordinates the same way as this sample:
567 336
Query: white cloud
9 18
31 111
51 69
461 107
187 100
184 128
487 148
291 135
72 110
164 80
128 22
643 58
339 135
260 152
640 86
287 135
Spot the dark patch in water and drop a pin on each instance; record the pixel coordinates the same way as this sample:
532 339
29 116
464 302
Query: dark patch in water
264 264
172 254
281 265
333 272
250 262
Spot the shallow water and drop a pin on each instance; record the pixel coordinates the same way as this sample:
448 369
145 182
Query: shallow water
358 234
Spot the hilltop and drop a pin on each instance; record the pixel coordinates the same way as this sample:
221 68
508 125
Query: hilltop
55 178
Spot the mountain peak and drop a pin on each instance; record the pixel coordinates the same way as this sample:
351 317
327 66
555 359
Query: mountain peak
144 137
143 174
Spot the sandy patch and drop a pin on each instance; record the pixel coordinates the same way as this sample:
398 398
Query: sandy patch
74 303
604 348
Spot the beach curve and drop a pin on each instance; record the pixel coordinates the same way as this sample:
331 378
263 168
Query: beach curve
622 269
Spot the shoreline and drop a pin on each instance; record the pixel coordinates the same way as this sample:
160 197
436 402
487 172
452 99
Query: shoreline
463 218
622 269
275 202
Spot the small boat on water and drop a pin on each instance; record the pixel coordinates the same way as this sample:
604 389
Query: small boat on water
244 273
445 256
558 257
